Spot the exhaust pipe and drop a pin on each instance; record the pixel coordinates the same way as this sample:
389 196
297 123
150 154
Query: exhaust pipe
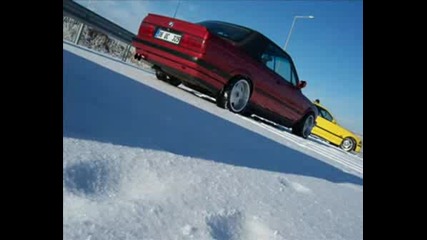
138 56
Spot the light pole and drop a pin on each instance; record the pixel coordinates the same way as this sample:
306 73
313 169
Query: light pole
176 9
292 27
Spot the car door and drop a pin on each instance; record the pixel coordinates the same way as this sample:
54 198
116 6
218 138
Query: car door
263 95
285 94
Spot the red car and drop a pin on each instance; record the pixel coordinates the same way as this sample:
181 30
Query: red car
241 68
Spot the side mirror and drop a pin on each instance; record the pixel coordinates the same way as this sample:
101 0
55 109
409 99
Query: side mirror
301 84
334 121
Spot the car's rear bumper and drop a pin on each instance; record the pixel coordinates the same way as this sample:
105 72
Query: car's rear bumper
185 67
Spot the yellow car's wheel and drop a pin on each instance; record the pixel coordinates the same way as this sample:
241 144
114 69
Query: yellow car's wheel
347 144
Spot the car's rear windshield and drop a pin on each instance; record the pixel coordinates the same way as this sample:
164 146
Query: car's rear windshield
224 30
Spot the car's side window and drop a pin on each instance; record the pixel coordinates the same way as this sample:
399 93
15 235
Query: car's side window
294 79
283 68
326 115
277 61
268 60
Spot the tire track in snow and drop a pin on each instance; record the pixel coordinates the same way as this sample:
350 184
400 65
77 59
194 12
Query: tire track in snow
315 147
318 149
327 151
318 145
334 155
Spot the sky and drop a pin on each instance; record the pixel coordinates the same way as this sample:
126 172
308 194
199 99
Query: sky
132 172
327 50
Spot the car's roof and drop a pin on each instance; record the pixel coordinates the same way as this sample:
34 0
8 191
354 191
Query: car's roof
318 104
254 32
230 24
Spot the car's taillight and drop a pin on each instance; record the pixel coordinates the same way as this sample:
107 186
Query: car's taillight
146 29
194 43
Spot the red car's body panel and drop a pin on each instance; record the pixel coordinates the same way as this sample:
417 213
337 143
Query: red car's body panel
204 59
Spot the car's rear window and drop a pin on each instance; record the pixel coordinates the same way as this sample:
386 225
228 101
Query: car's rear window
228 31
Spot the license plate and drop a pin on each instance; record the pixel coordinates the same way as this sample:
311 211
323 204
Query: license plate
168 36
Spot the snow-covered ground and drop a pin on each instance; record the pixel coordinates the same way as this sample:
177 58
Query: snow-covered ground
145 160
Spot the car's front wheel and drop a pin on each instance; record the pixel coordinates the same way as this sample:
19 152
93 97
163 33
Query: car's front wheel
347 144
304 127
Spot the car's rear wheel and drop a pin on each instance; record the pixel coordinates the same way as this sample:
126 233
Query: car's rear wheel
237 96
347 144
303 128
167 78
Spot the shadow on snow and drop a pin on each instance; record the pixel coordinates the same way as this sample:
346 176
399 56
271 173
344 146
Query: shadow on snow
102 105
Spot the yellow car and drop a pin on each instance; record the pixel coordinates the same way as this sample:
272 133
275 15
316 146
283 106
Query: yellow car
327 128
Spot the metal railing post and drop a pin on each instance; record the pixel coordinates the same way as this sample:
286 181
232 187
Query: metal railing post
79 33
125 54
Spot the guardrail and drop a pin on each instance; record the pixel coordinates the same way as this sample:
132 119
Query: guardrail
88 17
82 26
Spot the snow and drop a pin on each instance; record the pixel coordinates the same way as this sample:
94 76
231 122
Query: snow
146 160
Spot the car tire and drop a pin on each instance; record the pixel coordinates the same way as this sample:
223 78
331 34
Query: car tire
160 74
303 128
220 99
347 144
237 96
173 81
